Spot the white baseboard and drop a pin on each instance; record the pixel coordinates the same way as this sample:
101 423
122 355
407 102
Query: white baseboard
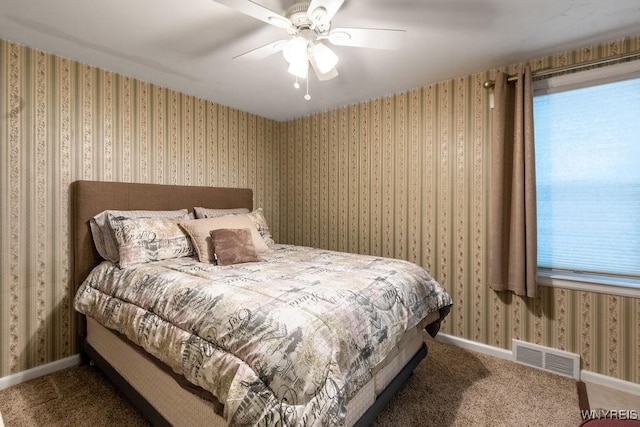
39 371
587 376
475 346
607 381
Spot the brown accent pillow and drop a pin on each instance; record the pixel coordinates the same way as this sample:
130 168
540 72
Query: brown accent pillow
199 231
233 246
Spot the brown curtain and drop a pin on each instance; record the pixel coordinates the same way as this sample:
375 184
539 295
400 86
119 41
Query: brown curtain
512 227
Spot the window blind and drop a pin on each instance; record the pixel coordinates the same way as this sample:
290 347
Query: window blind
588 178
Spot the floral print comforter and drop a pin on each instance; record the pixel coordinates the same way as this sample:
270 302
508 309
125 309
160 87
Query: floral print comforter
284 341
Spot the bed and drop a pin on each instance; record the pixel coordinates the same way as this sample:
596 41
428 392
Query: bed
256 390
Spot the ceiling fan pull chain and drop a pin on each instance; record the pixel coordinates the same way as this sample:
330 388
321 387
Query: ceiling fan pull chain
296 84
307 96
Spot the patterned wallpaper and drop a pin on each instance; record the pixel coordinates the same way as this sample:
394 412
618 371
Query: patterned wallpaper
62 121
408 176
403 176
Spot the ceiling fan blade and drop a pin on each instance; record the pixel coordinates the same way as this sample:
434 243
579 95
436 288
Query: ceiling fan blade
330 8
262 51
257 11
368 37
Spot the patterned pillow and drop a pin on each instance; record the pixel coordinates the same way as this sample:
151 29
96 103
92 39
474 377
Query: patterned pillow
103 236
257 216
233 246
143 240
212 213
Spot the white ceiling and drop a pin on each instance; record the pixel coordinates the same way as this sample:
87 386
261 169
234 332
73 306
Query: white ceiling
188 45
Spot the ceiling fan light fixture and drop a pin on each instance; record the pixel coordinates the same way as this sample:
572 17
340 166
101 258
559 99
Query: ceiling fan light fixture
296 50
299 69
323 76
332 73
325 59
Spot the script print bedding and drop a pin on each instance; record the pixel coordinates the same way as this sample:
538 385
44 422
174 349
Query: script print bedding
285 341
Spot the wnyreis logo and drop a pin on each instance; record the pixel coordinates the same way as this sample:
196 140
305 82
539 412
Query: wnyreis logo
610 414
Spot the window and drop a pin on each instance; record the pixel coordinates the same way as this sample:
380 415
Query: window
587 135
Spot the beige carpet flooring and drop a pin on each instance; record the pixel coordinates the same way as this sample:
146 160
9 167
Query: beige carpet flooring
452 387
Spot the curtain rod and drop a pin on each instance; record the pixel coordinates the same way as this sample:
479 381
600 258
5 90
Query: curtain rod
545 72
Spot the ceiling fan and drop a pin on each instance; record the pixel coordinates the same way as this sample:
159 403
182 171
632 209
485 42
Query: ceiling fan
309 26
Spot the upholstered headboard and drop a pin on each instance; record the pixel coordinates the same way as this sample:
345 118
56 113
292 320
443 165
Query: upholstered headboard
92 197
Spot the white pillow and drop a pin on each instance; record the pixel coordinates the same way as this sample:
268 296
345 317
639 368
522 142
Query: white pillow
212 213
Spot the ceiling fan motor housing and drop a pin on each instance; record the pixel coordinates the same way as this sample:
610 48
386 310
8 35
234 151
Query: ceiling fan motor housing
302 18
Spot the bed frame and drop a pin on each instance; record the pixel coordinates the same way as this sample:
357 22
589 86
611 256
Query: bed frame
92 197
